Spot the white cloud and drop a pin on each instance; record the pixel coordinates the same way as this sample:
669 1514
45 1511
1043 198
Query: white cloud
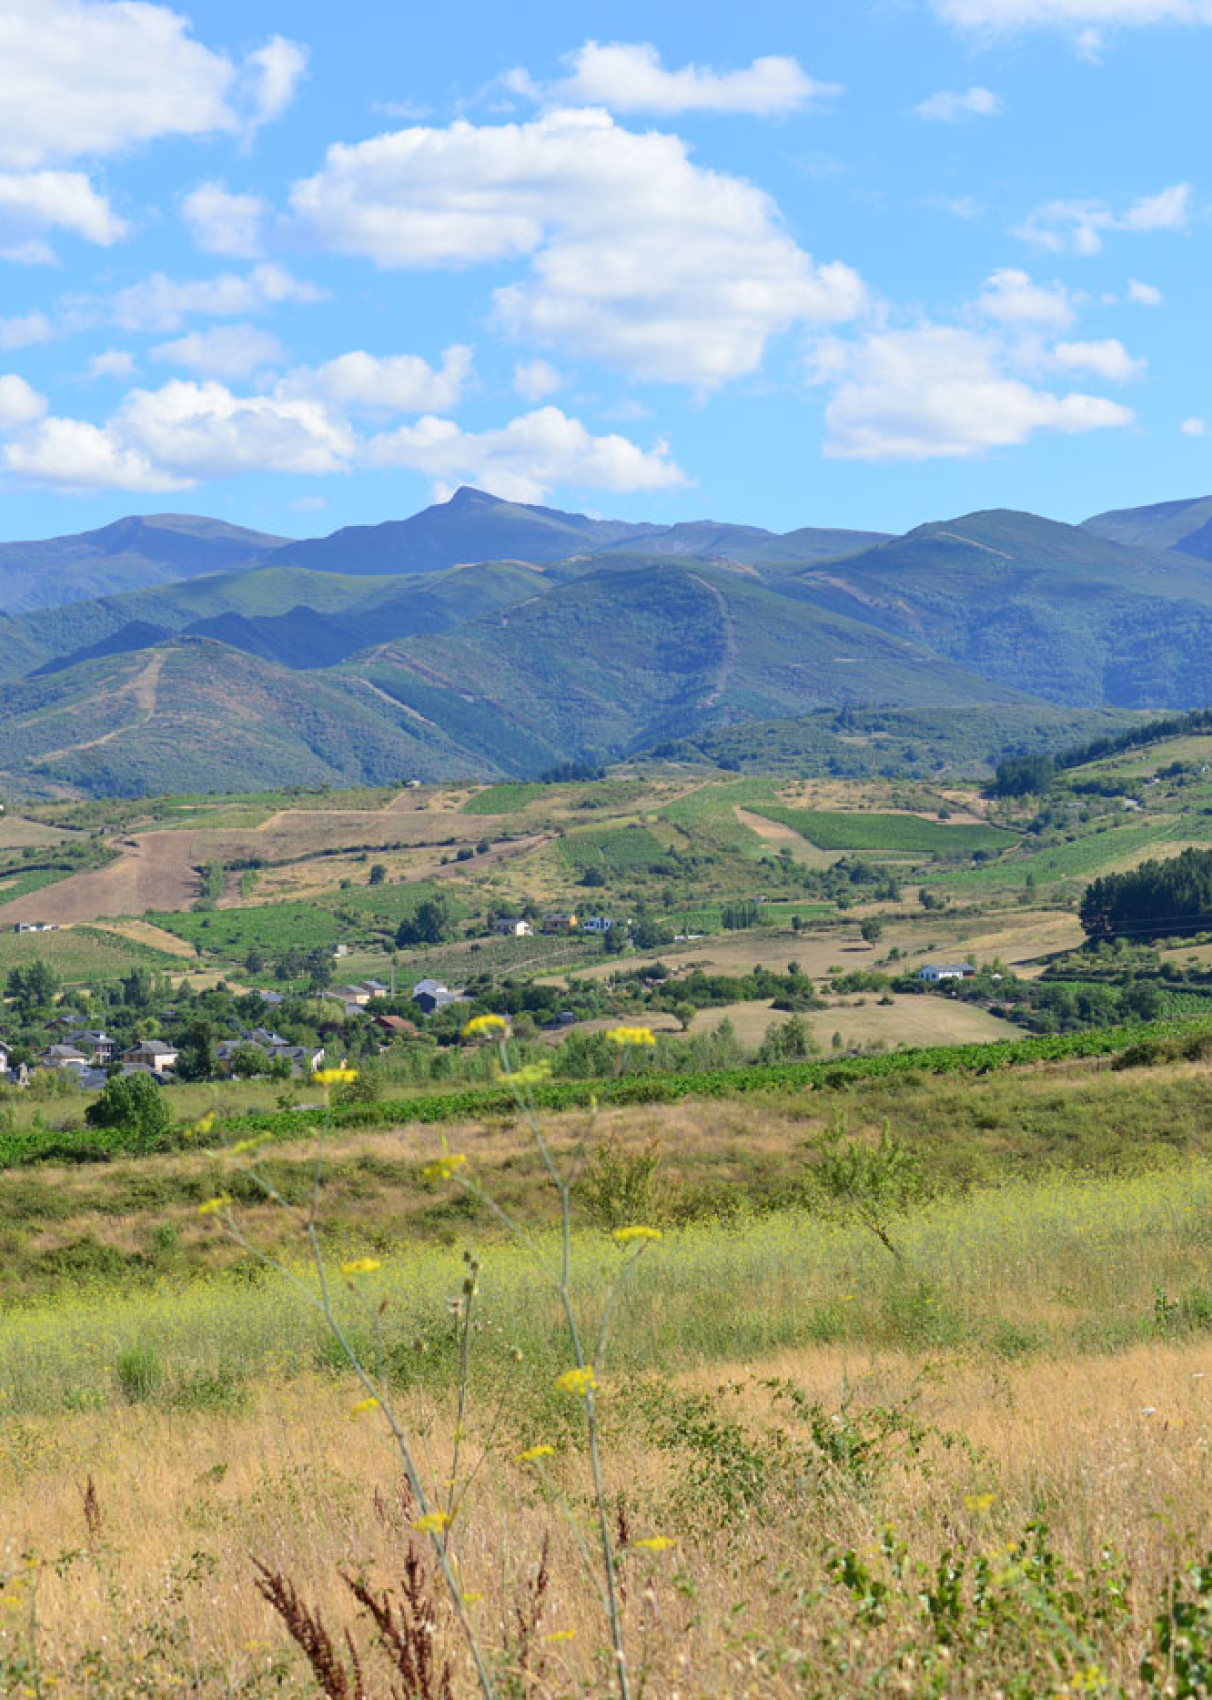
309 504
1011 298
937 390
75 455
224 351
35 203
629 77
1079 226
1194 427
169 438
112 363
397 383
522 460
19 403
223 223
82 78
25 329
1084 16
161 303
535 379
639 257
1107 359
271 75
1144 294
950 105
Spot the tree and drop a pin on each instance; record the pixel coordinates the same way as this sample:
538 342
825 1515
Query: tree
132 1104
196 1059
248 1061
1022 776
33 987
378 874
871 930
430 923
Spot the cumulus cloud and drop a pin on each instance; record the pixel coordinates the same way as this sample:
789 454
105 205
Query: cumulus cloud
224 351
523 460
948 106
638 256
1194 427
629 77
33 204
1012 298
19 403
224 223
1079 226
161 303
168 439
396 383
83 78
25 329
1107 359
941 390
535 379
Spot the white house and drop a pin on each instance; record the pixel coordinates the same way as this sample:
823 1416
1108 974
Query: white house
935 971
512 927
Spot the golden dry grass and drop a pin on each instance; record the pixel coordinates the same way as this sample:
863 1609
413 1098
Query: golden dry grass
907 1020
1114 1449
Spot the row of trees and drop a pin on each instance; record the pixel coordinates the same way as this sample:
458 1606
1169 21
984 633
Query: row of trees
1154 900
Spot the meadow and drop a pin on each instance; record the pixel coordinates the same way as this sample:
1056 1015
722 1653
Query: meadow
899 1351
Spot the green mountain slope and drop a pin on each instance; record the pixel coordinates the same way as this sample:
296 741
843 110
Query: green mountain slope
1185 525
1054 609
198 715
142 550
637 651
296 618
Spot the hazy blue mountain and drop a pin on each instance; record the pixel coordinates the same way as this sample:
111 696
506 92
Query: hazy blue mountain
1185 525
1054 609
472 526
143 550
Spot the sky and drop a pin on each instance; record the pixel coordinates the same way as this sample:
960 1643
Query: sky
865 264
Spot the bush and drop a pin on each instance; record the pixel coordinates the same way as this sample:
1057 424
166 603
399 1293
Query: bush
132 1104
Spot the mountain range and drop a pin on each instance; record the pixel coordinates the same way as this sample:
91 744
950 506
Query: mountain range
485 638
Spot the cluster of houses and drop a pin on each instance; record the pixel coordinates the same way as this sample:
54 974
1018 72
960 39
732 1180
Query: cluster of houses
90 1056
36 927
559 921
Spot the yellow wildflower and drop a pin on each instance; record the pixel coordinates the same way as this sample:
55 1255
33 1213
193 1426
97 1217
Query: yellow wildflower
213 1206
361 1266
484 1025
470 1599
631 1036
656 1543
246 1145
206 1124
979 1501
533 1453
334 1076
444 1168
561 1635
533 1074
364 1405
432 1523
580 1381
627 1236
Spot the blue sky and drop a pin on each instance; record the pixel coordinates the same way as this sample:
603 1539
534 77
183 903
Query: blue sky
300 267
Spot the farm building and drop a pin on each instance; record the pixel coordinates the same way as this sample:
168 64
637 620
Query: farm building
512 927
935 971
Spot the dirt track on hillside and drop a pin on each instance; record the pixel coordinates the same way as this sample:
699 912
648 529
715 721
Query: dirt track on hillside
154 871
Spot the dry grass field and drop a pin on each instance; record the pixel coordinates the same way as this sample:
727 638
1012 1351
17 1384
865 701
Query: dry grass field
907 1020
